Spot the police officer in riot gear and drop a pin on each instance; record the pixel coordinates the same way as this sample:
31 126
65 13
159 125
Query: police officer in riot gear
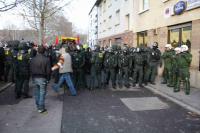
8 69
138 62
124 64
78 60
154 57
168 63
183 63
97 63
22 72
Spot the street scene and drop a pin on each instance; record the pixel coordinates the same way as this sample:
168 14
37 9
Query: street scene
99 66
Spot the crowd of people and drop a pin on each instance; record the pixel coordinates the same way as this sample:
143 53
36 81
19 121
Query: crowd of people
82 68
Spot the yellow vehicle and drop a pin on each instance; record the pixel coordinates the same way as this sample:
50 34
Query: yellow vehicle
63 39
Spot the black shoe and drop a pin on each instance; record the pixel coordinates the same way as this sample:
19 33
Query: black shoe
27 96
133 85
18 96
164 82
120 86
127 86
187 93
141 86
153 83
169 85
42 111
176 90
114 86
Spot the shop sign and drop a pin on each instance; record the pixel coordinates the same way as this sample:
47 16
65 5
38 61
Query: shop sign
191 4
168 12
179 7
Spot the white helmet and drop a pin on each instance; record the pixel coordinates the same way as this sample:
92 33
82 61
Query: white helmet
168 46
184 48
178 50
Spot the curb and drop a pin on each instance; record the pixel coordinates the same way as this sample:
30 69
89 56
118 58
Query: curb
5 87
182 104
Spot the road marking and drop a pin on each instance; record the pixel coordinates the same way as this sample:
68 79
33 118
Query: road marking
144 103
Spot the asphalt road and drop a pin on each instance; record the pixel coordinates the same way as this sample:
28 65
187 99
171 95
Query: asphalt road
7 97
107 111
103 111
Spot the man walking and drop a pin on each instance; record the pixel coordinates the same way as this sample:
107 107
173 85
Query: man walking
40 70
65 68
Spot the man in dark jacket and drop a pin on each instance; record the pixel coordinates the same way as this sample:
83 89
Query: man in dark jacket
40 70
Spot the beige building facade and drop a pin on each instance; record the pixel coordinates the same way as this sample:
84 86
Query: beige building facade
142 22
169 21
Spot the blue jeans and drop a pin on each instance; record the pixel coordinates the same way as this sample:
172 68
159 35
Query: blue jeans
65 78
40 85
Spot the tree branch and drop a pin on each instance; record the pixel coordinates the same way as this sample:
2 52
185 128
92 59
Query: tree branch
7 6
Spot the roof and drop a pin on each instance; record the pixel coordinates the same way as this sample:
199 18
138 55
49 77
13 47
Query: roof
95 4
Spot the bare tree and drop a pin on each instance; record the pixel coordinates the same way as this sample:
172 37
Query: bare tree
6 5
36 12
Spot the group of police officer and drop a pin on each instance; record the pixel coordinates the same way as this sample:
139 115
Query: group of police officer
126 66
120 64
123 65
15 65
176 69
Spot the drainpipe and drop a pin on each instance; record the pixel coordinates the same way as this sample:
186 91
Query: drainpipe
199 60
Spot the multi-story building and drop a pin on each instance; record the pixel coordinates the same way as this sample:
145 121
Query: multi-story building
169 21
93 26
141 22
115 21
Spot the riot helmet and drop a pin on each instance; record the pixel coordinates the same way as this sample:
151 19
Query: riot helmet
138 50
97 48
184 48
177 50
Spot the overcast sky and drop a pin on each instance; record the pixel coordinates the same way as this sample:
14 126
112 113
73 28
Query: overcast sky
77 13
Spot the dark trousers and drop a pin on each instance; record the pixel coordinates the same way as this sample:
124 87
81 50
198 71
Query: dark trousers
22 85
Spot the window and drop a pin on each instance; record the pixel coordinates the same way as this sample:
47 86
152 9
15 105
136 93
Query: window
127 22
142 38
104 5
100 10
109 3
117 17
145 4
179 35
109 22
118 40
110 42
104 25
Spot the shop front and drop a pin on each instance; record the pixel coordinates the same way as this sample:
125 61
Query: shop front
180 35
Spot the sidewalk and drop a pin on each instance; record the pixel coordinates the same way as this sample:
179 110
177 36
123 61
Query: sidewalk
24 118
190 102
